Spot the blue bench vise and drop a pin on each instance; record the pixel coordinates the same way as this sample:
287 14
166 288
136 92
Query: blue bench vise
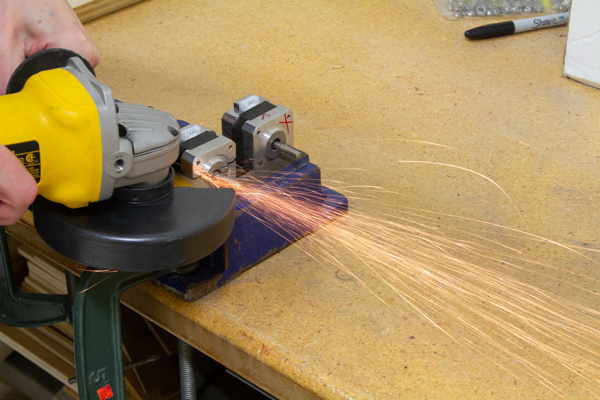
257 141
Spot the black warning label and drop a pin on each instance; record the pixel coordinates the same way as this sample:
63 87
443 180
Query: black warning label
29 155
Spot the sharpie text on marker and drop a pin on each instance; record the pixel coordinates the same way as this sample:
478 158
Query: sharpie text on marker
517 26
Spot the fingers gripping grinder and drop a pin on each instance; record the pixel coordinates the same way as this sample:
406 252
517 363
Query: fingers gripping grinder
107 200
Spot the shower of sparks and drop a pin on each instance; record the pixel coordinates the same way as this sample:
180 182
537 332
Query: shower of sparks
465 287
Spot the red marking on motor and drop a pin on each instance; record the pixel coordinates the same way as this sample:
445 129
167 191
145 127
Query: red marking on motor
286 122
105 393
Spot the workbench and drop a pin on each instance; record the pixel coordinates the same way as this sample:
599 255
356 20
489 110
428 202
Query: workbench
371 83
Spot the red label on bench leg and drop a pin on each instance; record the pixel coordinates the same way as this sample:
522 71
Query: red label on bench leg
105 392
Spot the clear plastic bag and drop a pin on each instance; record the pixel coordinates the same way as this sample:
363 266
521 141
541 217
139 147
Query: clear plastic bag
492 8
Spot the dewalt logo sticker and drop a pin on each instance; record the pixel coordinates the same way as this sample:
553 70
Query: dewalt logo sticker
29 155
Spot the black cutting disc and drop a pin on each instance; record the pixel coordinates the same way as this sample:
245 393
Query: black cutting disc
171 232
38 62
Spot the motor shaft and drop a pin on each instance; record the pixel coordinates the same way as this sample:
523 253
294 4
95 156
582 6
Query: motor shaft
288 151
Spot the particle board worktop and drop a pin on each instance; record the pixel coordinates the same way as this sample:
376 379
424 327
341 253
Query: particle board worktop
371 83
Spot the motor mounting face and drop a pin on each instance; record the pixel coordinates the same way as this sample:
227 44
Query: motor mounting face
256 125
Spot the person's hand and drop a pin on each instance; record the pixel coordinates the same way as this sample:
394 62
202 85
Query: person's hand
17 188
28 26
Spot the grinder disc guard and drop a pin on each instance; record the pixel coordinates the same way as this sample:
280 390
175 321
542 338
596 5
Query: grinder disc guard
137 233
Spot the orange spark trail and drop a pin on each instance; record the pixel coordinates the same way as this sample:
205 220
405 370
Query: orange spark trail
440 277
